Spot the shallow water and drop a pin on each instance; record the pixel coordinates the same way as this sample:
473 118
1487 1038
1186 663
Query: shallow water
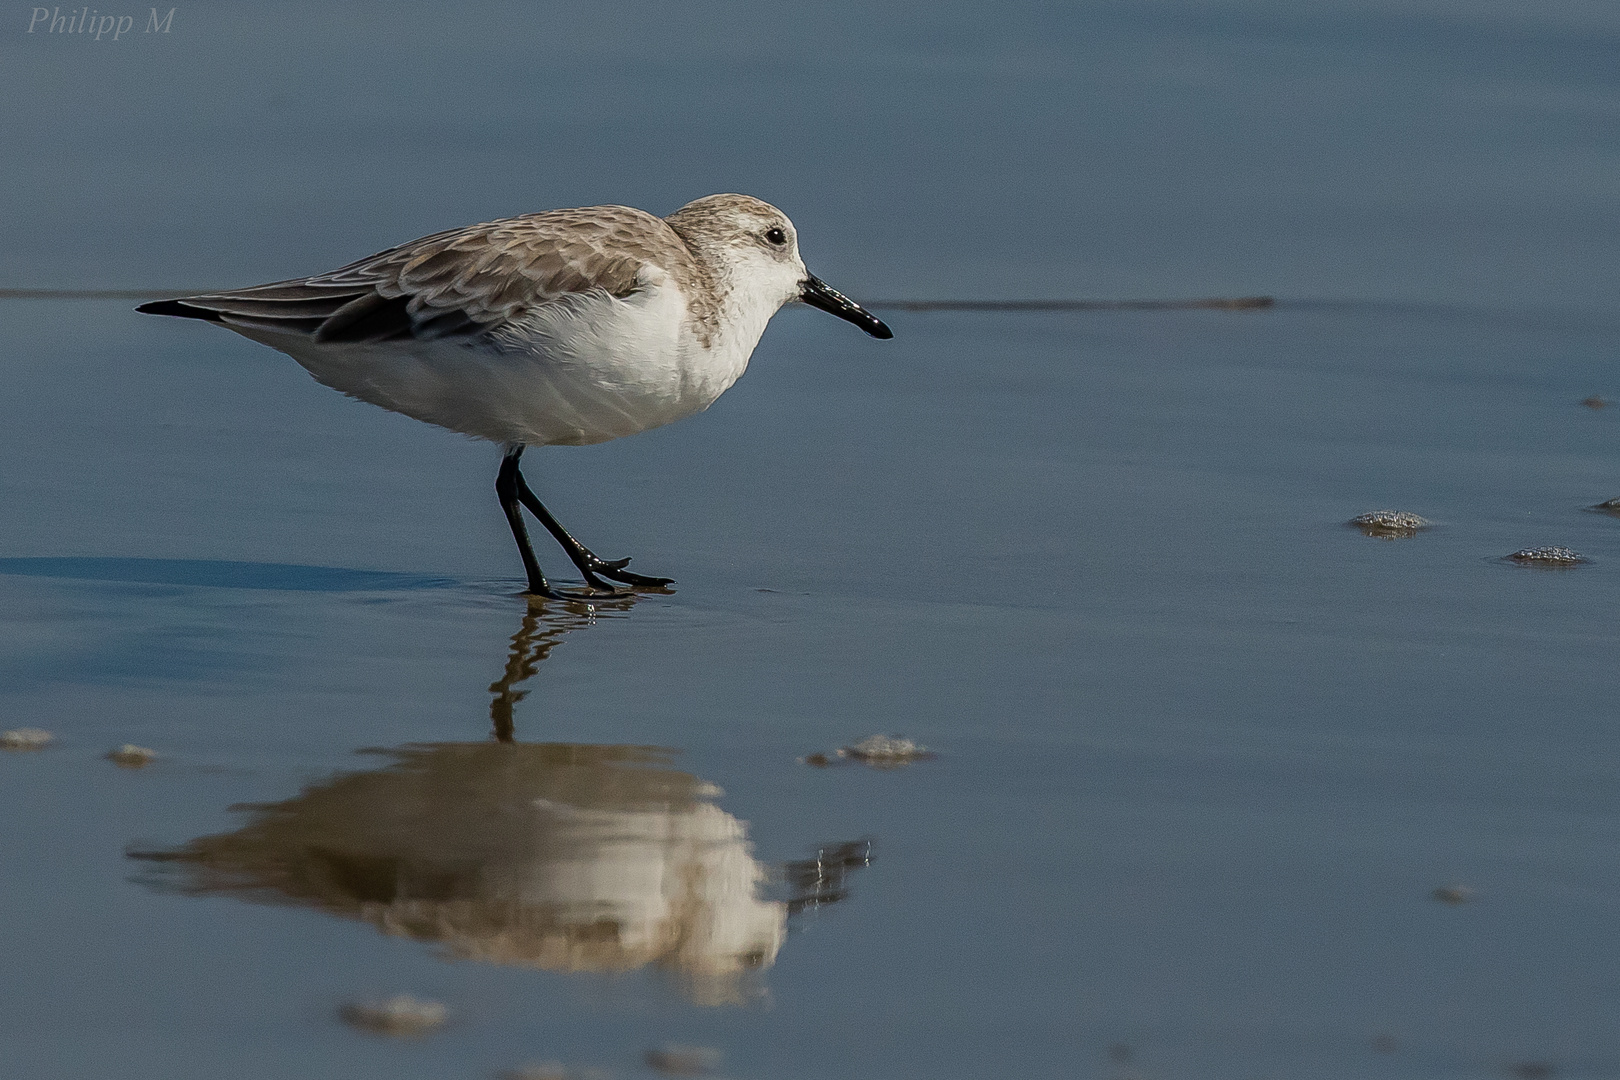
1203 752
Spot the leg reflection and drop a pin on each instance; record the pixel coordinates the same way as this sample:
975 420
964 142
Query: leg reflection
556 856
545 624
823 879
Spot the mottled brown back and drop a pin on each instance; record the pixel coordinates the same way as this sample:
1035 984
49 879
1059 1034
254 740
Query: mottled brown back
465 282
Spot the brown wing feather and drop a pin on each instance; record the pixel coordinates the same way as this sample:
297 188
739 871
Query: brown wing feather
461 283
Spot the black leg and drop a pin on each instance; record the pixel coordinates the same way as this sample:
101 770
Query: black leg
508 484
589 565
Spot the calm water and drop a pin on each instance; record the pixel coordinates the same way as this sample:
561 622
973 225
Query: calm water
1203 752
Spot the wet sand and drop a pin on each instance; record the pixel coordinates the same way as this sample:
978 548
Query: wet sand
1215 785
1202 753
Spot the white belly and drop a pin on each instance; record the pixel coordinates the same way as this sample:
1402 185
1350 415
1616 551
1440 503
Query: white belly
587 369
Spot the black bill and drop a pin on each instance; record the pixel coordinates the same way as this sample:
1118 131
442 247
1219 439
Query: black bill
818 294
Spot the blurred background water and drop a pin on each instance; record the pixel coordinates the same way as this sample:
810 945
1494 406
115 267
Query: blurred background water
1203 752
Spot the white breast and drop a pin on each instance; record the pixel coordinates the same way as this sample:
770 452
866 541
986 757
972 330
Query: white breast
586 368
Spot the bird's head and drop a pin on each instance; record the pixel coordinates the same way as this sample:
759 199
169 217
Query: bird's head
755 249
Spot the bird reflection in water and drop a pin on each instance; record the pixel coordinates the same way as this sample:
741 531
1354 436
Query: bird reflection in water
556 856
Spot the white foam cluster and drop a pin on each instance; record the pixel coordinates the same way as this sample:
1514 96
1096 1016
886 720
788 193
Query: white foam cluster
27 738
683 1060
884 749
130 756
401 1015
1553 555
1393 521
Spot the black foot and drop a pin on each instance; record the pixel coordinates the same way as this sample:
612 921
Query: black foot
640 581
595 568
514 490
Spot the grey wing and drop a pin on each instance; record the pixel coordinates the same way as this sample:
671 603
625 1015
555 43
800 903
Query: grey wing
460 284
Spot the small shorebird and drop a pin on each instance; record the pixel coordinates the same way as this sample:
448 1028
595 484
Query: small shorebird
562 328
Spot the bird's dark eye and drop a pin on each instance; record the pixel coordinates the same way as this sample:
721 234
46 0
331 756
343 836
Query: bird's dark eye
775 236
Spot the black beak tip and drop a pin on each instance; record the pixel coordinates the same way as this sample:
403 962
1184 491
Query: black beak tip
818 294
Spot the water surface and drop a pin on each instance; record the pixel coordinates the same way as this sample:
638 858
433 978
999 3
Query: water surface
1203 752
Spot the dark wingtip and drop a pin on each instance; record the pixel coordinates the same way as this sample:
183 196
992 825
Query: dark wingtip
881 331
178 308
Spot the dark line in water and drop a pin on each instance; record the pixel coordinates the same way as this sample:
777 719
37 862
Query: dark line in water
93 294
1219 303
219 574
1532 318
1216 303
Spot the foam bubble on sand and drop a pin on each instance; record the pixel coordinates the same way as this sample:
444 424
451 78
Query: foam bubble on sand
130 756
27 738
683 1060
548 1070
1389 523
401 1015
878 751
1547 556
884 750
553 1070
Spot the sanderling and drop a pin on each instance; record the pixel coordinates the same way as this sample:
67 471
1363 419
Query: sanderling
562 328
